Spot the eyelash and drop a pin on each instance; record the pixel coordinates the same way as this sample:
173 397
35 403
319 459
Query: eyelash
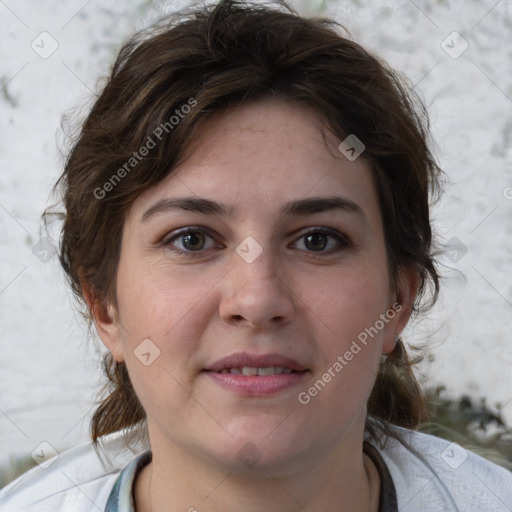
343 241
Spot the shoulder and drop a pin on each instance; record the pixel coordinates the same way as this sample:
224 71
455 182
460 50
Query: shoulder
77 479
430 473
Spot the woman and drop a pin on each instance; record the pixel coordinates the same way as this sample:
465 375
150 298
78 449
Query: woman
248 227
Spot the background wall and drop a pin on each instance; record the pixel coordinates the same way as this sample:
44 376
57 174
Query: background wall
457 54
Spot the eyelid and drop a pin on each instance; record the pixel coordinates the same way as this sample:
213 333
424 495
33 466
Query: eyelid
322 229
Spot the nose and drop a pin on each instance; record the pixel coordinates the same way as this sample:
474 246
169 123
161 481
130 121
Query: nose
256 294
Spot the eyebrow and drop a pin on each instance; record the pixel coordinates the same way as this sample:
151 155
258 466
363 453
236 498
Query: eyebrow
299 207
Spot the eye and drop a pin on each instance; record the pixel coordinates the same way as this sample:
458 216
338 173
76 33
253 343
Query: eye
194 240
324 240
189 240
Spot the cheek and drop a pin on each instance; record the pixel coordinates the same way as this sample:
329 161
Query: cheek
349 332
157 301
349 336
161 326
350 301
172 310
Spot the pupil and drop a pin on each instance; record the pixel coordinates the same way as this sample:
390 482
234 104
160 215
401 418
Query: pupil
191 241
316 241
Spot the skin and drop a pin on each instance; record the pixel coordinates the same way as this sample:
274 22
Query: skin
307 304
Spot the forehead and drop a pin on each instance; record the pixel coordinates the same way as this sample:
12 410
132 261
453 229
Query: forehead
261 155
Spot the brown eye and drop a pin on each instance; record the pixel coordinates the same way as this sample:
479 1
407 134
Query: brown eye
188 241
324 240
316 241
193 241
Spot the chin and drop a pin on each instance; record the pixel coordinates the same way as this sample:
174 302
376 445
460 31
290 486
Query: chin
261 446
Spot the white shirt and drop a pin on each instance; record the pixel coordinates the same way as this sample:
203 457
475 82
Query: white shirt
430 475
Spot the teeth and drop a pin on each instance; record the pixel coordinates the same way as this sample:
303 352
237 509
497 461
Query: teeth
267 371
250 371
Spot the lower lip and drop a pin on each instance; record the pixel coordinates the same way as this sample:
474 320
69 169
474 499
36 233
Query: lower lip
249 385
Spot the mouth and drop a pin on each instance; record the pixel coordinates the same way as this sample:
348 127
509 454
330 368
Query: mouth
253 371
257 375
242 363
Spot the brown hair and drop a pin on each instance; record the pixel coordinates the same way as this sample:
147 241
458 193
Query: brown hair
220 56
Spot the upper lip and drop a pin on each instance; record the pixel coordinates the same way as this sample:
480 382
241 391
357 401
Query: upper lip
242 359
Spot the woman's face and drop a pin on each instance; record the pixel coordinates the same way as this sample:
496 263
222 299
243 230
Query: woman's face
265 249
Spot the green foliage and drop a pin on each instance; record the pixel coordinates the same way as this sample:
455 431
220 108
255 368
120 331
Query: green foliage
472 425
15 468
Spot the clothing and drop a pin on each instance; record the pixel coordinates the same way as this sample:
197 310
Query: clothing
429 475
388 501
121 496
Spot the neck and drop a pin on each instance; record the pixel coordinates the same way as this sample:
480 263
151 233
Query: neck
343 481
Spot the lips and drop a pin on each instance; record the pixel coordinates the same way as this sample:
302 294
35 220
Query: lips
257 375
253 371
246 364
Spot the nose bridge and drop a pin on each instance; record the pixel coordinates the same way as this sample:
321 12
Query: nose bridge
256 267
255 291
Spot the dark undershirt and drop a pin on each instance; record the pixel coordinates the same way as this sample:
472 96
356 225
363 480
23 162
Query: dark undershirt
387 498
